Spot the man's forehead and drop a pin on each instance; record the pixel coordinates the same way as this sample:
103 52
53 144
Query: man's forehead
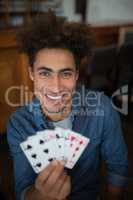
49 52
54 59
59 69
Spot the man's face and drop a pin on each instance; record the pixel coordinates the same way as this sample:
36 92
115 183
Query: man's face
54 75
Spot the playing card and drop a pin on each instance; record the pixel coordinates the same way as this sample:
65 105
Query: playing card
62 135
60 142
46 153
38 156
31 151
74 146
50 137
70 145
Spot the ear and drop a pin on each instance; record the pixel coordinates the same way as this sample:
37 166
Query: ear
30 70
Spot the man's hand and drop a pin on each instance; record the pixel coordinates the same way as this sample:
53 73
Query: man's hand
53 182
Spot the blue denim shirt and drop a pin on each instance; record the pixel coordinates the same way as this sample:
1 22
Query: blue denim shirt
95 119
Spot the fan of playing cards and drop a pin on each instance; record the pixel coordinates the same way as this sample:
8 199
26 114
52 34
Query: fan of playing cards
48 145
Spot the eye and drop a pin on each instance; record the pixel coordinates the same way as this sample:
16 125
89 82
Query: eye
67 74
44 73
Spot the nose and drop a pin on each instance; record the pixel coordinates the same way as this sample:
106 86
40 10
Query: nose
56 84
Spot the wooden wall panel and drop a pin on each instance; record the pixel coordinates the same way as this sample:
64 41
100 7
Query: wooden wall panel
107 35
13 79
8 38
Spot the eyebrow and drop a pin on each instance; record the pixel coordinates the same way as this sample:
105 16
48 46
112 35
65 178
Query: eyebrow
61 70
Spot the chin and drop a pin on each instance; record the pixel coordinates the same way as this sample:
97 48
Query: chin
54 111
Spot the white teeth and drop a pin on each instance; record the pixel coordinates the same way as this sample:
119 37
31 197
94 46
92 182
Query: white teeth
54 98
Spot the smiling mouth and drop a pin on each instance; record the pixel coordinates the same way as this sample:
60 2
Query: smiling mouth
54 97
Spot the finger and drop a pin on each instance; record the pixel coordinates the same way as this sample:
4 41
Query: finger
55 175
65 190
43 176
59 183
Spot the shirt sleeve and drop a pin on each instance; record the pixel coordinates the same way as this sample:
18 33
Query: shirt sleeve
113 148
23 173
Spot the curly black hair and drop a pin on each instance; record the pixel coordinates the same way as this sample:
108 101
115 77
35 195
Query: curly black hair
51 31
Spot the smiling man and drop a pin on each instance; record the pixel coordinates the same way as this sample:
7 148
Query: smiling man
55 49
55 75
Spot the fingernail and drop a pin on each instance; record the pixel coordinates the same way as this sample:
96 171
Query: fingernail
55 163
63 162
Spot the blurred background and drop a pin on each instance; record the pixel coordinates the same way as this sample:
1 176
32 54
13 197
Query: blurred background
110 70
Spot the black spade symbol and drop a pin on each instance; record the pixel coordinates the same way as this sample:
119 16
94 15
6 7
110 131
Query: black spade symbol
77 148
39 165
50 159
29 146
57 136
34 156
41 142
73 155
46 151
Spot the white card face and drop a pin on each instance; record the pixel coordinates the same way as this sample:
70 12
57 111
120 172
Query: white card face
52 141
60 142
71 142
75 144
47 154
30 149
66 149
38 142
48 134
